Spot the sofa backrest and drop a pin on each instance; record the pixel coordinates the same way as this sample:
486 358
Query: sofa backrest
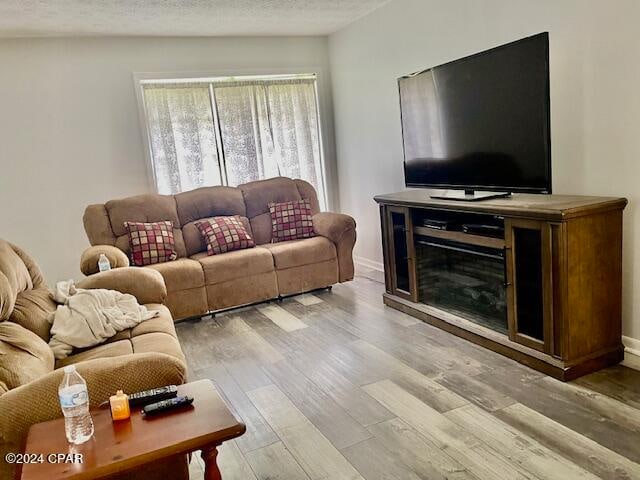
258 195
24 296
14 278
202 203
24 356
25 307
104 223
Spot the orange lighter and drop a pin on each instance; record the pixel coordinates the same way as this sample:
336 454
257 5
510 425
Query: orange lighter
119 406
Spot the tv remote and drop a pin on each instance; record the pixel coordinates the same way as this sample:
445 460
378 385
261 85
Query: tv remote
165 405
153 395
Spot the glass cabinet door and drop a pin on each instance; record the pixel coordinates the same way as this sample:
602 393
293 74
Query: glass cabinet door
528 280
462 279
400 249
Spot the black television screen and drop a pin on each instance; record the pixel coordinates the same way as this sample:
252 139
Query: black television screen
481 122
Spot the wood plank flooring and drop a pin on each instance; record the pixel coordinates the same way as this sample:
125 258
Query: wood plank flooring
334 385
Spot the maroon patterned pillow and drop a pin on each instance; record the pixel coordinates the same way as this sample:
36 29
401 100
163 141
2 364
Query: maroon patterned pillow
291 220
224 234
151 242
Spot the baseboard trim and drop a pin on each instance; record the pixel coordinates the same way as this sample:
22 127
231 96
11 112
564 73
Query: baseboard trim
631 352
367 263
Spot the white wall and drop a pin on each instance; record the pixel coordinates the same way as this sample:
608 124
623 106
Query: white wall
70 133
595 112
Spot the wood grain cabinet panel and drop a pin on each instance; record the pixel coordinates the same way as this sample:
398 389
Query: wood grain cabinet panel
562 274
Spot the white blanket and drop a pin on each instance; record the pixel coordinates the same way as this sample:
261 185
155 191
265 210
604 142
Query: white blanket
86 318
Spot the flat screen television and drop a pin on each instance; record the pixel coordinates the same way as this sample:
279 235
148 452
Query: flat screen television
480 123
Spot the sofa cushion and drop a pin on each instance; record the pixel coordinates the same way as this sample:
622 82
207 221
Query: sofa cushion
151 242
224 234
180 274
194 242
24 356
232 265
261 227
121 335
157 342
291 220
163 323
105 350
294 253
33 309
125 342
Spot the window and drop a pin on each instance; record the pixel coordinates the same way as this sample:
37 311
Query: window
232 131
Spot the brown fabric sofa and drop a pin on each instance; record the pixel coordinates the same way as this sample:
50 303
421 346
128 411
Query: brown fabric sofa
198 283
144 357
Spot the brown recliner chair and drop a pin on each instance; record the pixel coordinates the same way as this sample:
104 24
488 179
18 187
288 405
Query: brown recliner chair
144 357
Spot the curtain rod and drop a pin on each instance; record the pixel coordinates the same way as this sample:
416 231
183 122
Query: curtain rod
227 79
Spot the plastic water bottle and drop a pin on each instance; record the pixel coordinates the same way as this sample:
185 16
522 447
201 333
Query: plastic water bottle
103 263
74 401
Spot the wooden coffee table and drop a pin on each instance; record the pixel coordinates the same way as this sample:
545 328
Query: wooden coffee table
130 444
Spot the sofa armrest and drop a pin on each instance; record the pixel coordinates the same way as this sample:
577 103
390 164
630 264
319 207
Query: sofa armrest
333 225
90 257
146 284
341 230
38 401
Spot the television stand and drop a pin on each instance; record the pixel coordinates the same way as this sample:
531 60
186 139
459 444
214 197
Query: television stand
470 195
537 278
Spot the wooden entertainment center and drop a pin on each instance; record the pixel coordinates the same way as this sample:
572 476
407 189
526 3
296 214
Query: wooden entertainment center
537 278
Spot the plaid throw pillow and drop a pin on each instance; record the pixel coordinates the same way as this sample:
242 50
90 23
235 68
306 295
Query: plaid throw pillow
151 242
224 234
291 220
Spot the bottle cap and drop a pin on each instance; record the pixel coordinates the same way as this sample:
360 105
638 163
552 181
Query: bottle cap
69 369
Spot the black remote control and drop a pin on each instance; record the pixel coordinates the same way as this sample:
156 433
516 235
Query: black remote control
165 405
152 396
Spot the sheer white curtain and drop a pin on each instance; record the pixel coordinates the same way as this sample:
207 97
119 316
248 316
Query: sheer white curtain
182 137
247 142
266 128
294 123
269 129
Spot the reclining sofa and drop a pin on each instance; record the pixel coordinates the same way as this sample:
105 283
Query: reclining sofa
146 356
198 284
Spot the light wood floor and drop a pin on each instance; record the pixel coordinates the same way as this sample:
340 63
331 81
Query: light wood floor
335 386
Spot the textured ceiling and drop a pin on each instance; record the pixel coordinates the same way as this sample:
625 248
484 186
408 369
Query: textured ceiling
38 18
